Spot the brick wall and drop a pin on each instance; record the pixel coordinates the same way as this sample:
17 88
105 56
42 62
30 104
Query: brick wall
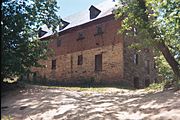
109 44
117 59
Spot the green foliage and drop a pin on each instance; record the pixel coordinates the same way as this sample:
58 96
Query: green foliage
155 87
20 22
8 117
164 70
153 23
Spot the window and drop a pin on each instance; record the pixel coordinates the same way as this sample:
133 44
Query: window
41 32
147 66
58 42
98 62
99 31
94 12
34 75
80 60
80 36
63 24
135 59
53 65
154 65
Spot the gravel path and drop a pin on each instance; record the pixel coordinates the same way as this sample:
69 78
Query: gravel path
115 104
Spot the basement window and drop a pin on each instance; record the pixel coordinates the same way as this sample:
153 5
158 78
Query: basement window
53 67
58 42
98 62
80 60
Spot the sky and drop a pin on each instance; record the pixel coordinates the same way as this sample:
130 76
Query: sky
69 7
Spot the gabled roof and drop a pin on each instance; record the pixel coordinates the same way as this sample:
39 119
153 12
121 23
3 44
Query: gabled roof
106 8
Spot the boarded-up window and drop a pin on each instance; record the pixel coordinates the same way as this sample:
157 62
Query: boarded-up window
147 82
53 64
98 62
147 66
80 60
99 30
80 36
136 83
135 59
58 42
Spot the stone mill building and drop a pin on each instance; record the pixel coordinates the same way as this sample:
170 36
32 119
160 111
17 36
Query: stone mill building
89 47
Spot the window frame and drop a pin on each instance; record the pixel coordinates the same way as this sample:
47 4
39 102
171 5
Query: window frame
99 30
98 59
80 60
81 36
53 64
136 59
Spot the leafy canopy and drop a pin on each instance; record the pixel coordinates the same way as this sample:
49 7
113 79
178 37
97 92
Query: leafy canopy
154 22
20 22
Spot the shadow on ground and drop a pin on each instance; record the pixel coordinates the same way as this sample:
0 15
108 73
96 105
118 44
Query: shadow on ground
40 103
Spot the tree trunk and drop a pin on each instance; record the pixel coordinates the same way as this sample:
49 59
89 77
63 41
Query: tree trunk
169 58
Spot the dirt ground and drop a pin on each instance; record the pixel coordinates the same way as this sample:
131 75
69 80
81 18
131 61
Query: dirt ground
40 103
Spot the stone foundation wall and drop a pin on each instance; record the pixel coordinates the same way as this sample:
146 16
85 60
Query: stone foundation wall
68 71
138 71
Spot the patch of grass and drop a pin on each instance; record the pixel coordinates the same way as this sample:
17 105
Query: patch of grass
7 117
80 89
155 87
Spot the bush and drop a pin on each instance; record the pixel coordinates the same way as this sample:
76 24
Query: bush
156 86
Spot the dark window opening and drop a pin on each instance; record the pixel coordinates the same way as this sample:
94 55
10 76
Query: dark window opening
135 59
58 43
41 32
98 62
34 75
80 36
147 82
147 66
80 60
94 12
154 65
63 24
156 80
97 43
53 65
136 83
99 31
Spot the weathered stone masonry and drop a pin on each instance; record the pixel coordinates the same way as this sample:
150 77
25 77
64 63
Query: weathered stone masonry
81 52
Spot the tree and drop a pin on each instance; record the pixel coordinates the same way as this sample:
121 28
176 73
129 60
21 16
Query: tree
21 48
156 23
